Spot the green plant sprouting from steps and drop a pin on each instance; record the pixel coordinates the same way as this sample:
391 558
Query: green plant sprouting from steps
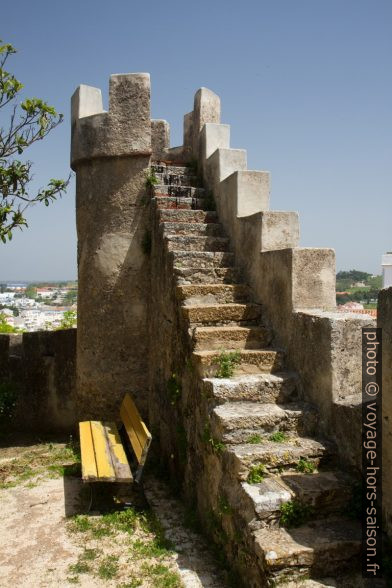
227 361
256 474
151 179
305 467
295 513
278 437
216 445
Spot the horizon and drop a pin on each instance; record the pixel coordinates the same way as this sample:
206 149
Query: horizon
315 113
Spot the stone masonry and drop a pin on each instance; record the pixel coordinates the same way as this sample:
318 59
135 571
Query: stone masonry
197 299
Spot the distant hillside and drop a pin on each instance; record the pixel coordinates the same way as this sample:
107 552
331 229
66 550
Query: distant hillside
357 286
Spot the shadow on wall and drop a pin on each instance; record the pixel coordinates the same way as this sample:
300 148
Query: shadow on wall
38 380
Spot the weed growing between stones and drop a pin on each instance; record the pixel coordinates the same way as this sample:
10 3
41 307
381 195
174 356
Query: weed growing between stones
216 446
305 467
278 437
295 513
151 180
255 439
227 361
256 474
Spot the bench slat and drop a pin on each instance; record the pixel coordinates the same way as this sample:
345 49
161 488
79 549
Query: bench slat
105 468
135 427
119 459
89 464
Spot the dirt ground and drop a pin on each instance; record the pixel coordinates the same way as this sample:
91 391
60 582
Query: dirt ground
48 540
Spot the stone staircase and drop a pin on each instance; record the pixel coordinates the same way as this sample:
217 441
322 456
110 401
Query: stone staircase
283 490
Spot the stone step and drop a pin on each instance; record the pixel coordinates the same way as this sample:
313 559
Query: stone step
178 191
235 422
228 337
175 170
187 228
215 314
196 275
198 294
278 387
194 243
325 493
172 202
188 216
208 363
187 179
277 456
321 547
202 259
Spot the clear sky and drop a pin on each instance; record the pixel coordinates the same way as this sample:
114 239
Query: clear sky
305 85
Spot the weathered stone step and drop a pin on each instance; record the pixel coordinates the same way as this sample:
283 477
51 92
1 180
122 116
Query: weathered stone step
204 314
197 275
181 203
321 547
202 259
186 179
187 216
234 422
178 191
187 228
250 361
229 337
276 456
278 387
194 243
324 492
196 294
175 170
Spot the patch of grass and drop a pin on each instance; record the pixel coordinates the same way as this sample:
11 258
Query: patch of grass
163 576
152 548
295 513
306 467
89 554
278 437
79 568
255 439
108 568
256 474
227 361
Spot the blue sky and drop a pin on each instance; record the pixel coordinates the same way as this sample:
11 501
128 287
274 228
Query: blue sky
305 85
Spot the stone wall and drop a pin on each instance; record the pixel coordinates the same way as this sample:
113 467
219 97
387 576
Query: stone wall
42 369
384 321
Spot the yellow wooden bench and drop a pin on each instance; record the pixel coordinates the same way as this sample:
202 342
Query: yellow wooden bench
103 455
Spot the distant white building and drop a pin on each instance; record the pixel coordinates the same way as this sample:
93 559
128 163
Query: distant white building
387 270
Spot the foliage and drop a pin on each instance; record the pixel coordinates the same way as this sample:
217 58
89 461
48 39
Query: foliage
216 445
278 437
151 179
29 121
31 291
255 439
256 474
295 513
5 327
68 321
227 361
353 275
306 467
